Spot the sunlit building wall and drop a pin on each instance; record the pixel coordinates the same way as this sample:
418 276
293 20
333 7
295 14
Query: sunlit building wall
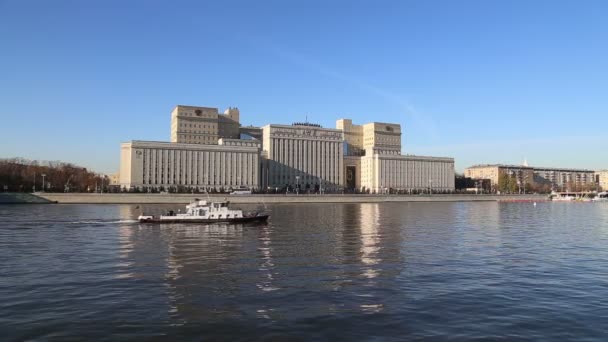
232 163
374 161
303 155
602 179
203 125
211 150
386 173
556 177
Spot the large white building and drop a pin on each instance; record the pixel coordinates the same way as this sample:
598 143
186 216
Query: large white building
205 152
374 161
163 165
390 173
303 155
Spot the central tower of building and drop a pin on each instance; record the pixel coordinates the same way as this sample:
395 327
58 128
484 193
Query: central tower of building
203 125
303 155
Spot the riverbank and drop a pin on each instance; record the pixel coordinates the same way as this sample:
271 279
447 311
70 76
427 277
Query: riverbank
21 198
244 199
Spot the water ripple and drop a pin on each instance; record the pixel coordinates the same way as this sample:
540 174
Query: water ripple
390 271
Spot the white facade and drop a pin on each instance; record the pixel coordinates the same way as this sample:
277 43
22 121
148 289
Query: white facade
374 162
370 138
387 172
149 164
602 179
203 125
205 152
308 156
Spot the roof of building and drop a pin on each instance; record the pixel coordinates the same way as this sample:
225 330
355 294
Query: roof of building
309 124
528 167
198 107
292 127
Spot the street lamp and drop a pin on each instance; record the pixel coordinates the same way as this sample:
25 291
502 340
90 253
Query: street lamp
43 175
297 185
430 186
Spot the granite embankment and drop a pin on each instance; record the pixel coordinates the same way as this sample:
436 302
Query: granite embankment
186 198
21 198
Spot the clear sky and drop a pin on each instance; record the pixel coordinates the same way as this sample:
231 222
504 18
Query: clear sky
480 81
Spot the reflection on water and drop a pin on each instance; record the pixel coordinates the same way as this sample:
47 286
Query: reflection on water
413 270
369 238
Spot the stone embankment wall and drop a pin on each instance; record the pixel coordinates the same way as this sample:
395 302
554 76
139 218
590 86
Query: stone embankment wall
21 198
187 198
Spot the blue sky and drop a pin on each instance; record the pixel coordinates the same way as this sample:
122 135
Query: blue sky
480 81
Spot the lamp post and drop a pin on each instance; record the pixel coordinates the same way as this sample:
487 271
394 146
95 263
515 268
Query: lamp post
43 175
297 185
430 186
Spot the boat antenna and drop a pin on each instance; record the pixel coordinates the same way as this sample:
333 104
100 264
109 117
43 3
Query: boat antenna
208 198
264 203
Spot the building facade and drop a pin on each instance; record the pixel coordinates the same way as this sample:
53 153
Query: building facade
601 178
370 138
203 125
556 178
163 165
209 150
562 178
303 156
374 162
523 174
388 173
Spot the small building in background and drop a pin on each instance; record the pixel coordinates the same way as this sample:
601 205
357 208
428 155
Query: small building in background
601 178
544 178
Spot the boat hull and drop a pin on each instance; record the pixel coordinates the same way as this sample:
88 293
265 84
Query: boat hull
258 218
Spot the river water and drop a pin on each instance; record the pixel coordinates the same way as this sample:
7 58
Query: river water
389 271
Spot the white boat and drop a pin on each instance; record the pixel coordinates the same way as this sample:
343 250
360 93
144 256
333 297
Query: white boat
206 212
563 198
601 197
570 196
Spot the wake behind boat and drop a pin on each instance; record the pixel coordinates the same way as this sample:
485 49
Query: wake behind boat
206 212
